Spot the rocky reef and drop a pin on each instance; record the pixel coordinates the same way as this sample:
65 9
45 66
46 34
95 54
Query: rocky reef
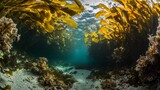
148 66
113 55
118 79
8 33
143 76
48 77
13 60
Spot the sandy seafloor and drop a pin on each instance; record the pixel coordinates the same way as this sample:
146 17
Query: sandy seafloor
20 80
87 84
24 80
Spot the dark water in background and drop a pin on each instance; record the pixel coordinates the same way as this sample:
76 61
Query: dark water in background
78 54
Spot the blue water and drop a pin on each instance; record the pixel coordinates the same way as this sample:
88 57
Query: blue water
79 53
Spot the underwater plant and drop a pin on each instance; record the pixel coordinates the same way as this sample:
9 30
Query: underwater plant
48 77
148 66
42 19
62 38
59 41
8 33
127 26
41 14
119 21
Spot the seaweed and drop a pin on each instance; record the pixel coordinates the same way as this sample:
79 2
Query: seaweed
147 65
127 26
42 14
8 33
119 21
48 77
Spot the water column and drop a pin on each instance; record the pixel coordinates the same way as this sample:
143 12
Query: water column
79 52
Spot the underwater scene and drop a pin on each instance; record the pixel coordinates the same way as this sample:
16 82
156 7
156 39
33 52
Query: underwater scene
79 44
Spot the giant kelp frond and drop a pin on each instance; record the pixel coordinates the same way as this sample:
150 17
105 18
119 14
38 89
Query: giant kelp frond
130 16
74 9
43 14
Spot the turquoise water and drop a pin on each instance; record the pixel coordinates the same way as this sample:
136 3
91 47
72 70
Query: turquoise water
76 54
79 53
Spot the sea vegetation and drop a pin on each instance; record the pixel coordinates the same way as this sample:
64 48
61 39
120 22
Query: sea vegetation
45 44
120 20
145 73
41 17
148 65
44 20
116 79
128 32
125 28
8 34
48 77
123 34
41 14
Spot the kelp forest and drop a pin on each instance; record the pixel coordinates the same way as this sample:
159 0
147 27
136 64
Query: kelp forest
79 44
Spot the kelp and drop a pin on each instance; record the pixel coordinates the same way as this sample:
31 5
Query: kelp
62 38
124 29
120 21
41 14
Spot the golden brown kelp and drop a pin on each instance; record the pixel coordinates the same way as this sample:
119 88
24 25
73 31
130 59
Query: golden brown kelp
127 26
62 38
46 44
148 66
119 21
42 14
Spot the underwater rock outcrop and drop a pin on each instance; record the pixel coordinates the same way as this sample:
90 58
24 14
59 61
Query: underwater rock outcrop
116 79
148 66
8 33
48 77
40 65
